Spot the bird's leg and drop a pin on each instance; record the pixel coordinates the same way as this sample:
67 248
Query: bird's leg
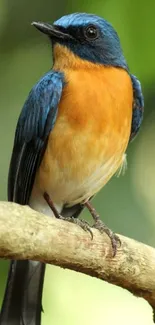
82 223
103 228
51 205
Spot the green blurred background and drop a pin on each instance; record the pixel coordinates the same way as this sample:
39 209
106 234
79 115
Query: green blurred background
127 204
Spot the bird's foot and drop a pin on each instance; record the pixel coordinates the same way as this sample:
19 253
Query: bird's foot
98 224
115 240
82 223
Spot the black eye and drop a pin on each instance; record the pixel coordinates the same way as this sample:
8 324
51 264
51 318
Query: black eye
91 32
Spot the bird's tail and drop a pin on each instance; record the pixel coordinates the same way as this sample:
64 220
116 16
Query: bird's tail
22 301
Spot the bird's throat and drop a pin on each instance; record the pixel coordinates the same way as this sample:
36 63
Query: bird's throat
65 59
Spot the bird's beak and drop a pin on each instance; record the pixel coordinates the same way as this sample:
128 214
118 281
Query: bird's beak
52 31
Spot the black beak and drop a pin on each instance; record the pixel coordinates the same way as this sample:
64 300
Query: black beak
52 31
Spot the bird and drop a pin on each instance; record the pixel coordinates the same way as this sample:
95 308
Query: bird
71 138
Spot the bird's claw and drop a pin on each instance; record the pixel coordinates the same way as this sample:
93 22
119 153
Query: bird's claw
82 223
115 240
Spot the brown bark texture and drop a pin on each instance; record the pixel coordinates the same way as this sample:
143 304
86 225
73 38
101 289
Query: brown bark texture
27 234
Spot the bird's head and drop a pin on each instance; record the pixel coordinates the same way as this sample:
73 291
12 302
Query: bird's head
85 36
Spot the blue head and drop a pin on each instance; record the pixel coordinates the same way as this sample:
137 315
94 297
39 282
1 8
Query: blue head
89 37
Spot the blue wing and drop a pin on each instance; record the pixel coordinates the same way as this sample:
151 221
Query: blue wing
35 122
138 107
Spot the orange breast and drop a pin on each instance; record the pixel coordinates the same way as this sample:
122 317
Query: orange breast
91 133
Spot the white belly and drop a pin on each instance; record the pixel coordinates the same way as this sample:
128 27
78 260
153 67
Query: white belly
71 193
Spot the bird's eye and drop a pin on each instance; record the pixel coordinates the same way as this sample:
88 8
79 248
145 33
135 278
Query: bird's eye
91 32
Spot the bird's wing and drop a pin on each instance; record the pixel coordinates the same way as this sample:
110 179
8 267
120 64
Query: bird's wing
36 120
138 107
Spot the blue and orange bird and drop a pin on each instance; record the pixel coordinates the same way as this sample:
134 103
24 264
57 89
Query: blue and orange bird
70 139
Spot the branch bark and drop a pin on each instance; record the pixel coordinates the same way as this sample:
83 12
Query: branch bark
27 234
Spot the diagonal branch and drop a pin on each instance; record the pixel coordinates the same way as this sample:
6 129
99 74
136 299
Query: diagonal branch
27 234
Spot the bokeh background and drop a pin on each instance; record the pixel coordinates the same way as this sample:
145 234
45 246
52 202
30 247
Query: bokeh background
127 203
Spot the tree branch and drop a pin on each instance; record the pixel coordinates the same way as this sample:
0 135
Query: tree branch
27 234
